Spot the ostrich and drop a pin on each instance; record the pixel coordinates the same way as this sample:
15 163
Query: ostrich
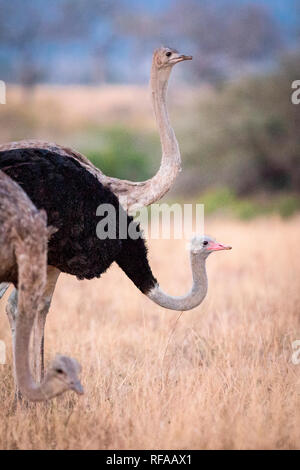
69 188
23 241
132 194
70 195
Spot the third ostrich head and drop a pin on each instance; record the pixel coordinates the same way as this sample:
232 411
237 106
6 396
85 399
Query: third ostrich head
63 374
166 57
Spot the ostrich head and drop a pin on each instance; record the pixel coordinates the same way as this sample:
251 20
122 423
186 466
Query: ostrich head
62 375
205 245
200 248
166 57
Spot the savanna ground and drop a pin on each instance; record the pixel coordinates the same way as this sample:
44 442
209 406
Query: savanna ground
222 378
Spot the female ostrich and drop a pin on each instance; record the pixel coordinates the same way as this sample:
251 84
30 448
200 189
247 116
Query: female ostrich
23 241
70 189
131 194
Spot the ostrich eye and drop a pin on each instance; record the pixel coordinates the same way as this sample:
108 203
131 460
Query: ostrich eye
59 371
205 242
168 54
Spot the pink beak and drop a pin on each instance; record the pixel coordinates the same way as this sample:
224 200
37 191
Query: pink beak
214 246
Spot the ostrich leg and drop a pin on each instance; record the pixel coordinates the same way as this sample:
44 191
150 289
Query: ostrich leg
39 326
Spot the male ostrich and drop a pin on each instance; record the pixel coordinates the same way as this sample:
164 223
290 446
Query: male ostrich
23 241
69 188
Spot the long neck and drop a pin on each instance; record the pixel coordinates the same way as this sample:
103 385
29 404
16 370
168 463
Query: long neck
133 260
31 254
171 160
27 385
134 195
193 298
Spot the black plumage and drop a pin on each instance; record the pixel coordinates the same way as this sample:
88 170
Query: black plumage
71 195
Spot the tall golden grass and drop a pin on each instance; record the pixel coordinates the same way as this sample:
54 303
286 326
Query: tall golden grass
219 378
60 113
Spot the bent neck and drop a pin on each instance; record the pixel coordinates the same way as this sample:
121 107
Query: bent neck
134 195
31 286
31 390
190 300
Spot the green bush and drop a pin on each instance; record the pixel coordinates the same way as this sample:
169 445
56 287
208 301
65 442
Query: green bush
225 201
246 135
122 154
288 205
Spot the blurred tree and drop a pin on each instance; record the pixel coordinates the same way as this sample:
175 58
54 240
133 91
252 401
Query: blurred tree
32 28
38 37
19 31
246 135
224 36
89 23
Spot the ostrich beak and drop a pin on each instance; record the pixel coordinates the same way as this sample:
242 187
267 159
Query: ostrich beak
180 58
77 387
185 57
214 246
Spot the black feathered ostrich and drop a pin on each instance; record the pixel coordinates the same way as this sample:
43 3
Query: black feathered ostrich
69 188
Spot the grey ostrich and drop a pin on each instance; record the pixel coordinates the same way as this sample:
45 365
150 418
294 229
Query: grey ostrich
70 189
23 241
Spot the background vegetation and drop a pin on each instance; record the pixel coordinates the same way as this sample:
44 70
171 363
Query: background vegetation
239 140
220 376
231 106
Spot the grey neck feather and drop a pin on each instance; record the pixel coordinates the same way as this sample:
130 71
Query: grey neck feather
31 390
170 149
194 297
31 256
134 195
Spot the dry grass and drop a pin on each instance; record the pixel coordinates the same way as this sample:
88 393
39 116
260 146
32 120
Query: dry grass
55 112
225 380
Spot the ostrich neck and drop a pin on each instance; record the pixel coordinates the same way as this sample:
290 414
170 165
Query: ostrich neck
134 195
29 388
31 254
170 149
194 297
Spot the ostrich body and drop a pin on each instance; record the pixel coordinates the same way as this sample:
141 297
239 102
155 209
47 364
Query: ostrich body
23 241
69 188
